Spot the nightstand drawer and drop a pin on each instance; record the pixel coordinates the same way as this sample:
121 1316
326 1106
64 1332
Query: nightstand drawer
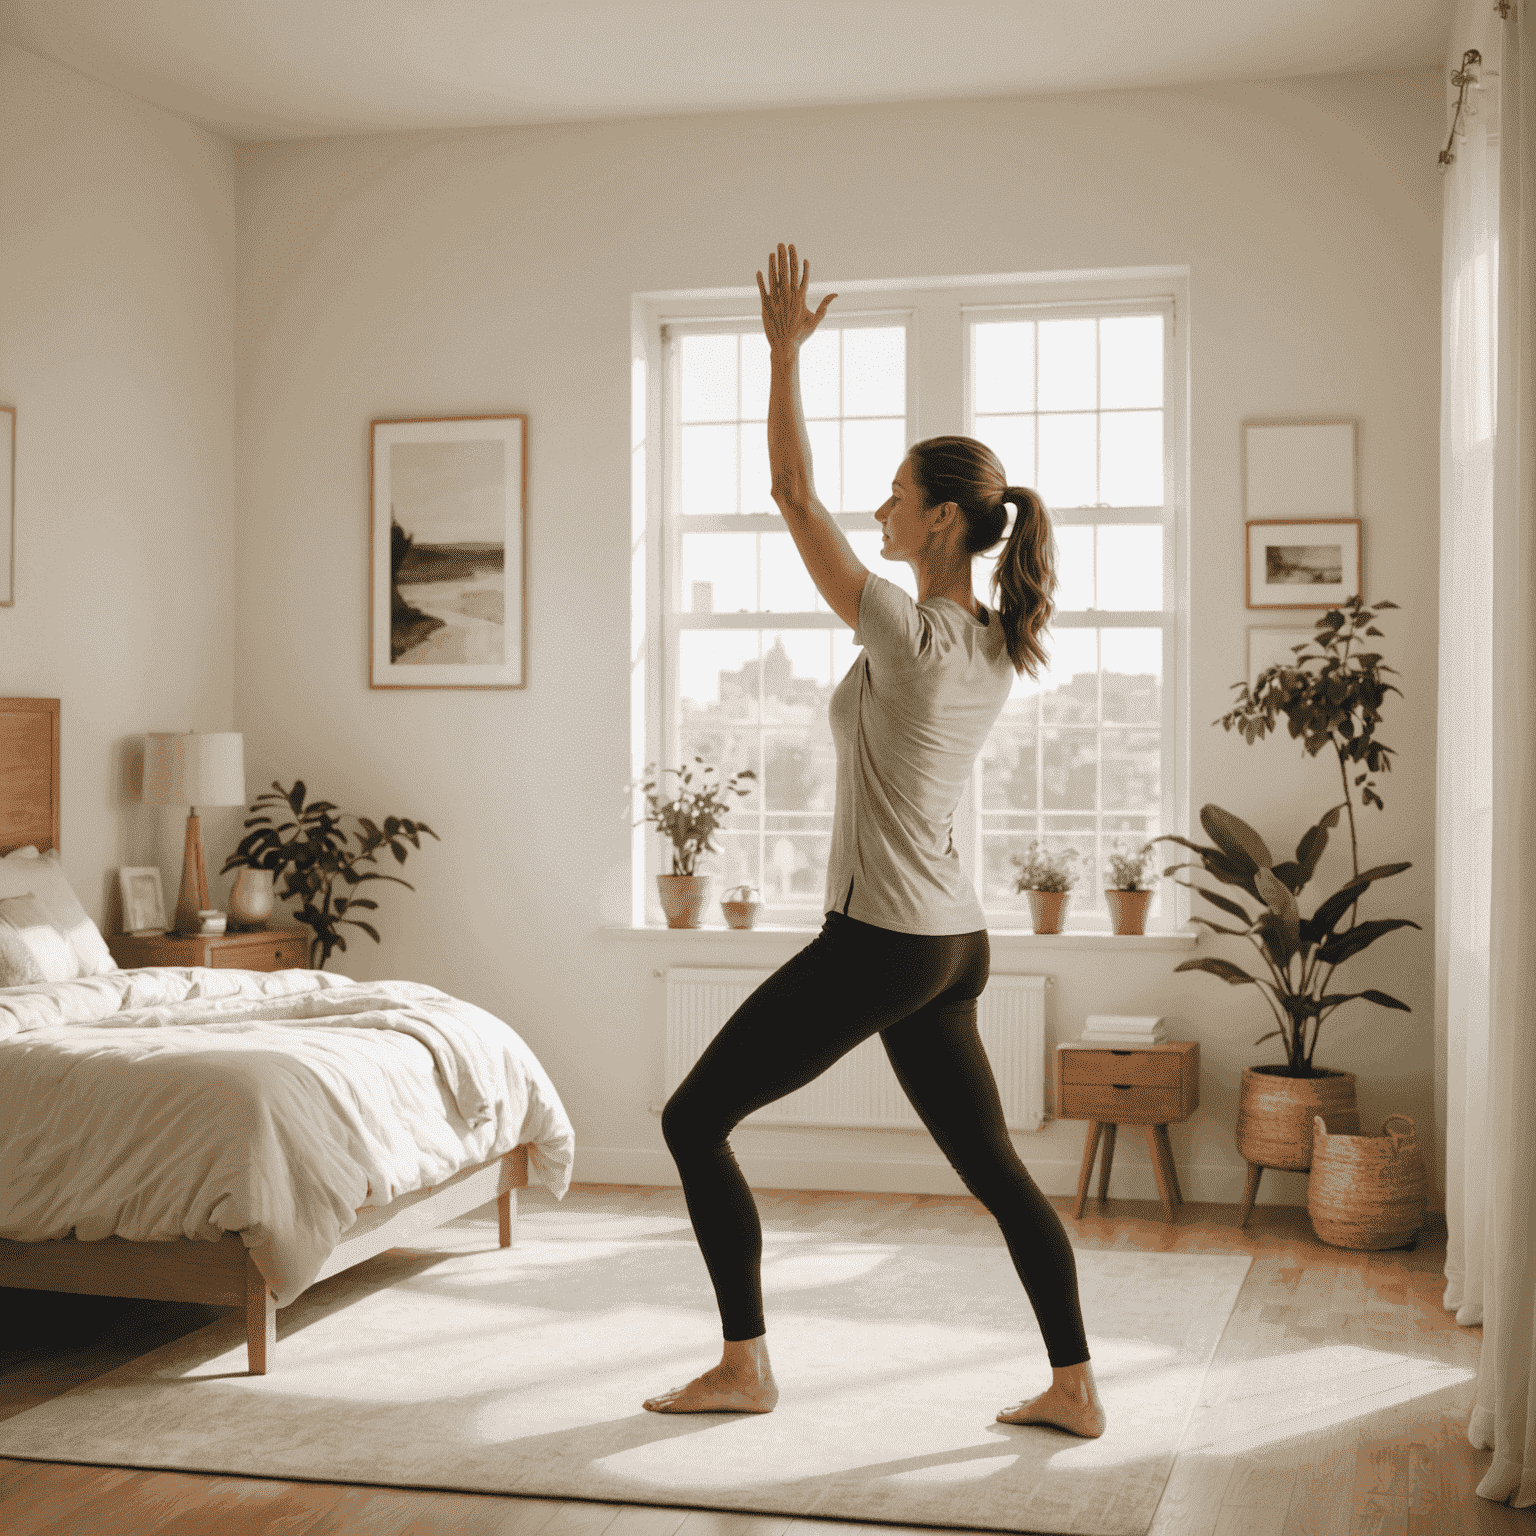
267 953
1123 1105
1159 1069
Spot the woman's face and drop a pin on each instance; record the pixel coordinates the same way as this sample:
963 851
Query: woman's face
906 525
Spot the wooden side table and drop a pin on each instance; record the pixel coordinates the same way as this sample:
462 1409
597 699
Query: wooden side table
1151 1085
263 949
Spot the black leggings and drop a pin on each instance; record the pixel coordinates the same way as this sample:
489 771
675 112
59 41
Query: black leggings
918 992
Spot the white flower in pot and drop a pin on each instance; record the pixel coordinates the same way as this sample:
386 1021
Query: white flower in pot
689 820
1128 892
1047 879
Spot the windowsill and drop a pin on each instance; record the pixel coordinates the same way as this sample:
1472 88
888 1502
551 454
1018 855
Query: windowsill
1006 941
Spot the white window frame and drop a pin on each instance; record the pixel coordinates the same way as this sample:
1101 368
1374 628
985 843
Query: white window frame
936 312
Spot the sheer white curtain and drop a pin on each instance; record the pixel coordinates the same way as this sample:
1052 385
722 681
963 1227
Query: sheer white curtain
1486 896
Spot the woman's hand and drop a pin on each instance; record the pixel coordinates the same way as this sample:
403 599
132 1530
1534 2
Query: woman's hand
787 319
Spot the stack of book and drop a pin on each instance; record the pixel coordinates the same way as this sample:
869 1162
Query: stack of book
1124 1029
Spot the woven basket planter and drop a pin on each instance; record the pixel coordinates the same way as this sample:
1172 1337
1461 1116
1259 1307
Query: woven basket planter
1274 1114
1367 1191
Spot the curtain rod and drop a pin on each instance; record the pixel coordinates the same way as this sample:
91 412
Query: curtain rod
1471 64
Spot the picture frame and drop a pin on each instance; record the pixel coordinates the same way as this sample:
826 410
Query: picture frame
143 899
7 506
1273 647
1301 468
448 591
1303 562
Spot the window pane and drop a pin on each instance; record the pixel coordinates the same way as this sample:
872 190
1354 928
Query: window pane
875 371
1069 768
819 374
1131 361
755 377
1074 567
867 547
1003 366
737 863
1070 691
826 463
709 470
720 572
717 674
1131 458
1068 473
1132 769
1012 439
872 453
787 585
844 654
756 482
1008 778
728 750
1133 675
1130 566
800 771
1067 365
708 369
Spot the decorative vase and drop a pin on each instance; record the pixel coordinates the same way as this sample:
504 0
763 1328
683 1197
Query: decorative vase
250 901
1367 1191
1047 909
683 898
741 905
1128 910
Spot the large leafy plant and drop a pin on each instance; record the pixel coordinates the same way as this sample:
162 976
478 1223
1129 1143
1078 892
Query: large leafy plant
693 815
322 860
1330 696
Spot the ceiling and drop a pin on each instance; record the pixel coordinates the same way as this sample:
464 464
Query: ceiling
275 69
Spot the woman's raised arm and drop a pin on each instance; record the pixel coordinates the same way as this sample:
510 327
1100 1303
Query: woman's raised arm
788 321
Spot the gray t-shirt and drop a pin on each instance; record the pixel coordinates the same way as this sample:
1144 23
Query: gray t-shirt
907 722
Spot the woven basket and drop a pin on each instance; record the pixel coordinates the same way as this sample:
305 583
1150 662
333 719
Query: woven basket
1274 1114
1367 1191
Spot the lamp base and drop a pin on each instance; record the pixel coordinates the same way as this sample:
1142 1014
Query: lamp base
193 897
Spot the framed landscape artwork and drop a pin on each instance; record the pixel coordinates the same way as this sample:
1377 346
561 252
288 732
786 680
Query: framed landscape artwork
1303 562
447 550
7 505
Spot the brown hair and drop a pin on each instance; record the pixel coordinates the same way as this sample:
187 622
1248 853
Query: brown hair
968 473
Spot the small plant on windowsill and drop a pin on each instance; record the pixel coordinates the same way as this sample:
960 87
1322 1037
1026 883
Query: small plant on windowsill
1047 879
1129 892
689 820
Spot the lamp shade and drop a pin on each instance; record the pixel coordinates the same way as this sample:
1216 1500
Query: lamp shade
194 768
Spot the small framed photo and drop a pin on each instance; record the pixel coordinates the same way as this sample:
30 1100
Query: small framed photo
1273 648
143 900
447 551
1300 469
1303 562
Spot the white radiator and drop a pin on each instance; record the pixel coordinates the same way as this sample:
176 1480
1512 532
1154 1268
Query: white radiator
861 1090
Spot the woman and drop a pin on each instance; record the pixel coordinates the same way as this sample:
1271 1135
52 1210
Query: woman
903 951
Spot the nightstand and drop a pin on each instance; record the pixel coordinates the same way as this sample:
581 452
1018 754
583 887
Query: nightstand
264 949
1151 1085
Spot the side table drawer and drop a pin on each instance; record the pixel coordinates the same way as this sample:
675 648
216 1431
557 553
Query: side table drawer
1123 1104
1158 1069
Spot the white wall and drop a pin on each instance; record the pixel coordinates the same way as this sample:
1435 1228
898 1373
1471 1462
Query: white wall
117 268
441 274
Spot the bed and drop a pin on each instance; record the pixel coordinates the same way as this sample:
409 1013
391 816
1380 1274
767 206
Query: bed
77 1056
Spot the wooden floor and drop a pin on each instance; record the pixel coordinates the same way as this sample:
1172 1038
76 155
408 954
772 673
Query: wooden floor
1401 1470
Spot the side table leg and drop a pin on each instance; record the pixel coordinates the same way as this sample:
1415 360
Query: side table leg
1250 1192
1090 1146
1168 1164
1106 1159
1160 1173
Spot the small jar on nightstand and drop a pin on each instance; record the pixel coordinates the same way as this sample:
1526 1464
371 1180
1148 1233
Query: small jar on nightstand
264 949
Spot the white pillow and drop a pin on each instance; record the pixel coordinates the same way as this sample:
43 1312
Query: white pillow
26 871
23 918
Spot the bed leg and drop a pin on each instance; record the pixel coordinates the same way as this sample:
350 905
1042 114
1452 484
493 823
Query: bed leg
260 1320
506 1216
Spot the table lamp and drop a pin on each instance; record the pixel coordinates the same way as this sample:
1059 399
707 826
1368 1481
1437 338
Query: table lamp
193 768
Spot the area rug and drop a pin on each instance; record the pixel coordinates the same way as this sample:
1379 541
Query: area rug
521 1371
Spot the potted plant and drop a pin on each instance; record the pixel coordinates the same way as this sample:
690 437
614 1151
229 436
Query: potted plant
1047 879
322 860
689 819
1128 893
1330 697
740 905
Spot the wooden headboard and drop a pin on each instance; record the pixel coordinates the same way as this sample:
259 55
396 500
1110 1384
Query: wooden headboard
29 773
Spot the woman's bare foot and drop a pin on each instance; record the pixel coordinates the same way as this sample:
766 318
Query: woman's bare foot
1071 1402
742 1383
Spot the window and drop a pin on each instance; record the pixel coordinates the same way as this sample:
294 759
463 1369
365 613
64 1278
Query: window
1072 389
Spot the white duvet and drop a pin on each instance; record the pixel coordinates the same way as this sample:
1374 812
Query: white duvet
170 1102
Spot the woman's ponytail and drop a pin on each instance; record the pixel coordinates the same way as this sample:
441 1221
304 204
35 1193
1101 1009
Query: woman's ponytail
1024 581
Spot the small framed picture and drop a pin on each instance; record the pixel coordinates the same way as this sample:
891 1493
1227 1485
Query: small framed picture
1303 562
1273 648
143 900
447 551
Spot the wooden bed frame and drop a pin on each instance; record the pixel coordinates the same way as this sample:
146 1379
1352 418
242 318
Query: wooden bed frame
221 1274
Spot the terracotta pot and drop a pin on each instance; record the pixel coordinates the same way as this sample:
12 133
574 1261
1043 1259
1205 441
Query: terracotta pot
1047 910
1274 1114
1367 1191
1128 910
683 898
250 901
741 905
